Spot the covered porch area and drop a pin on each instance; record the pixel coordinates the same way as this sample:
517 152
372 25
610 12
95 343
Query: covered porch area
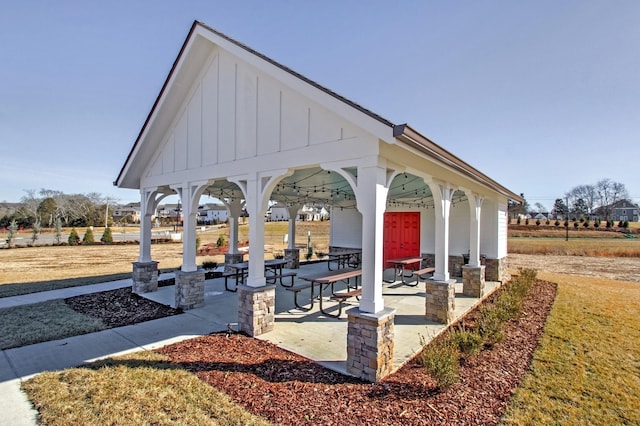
322 338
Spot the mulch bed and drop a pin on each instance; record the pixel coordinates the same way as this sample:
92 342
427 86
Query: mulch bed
117 308
289 389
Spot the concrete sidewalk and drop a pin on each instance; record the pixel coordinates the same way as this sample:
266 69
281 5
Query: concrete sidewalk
21 363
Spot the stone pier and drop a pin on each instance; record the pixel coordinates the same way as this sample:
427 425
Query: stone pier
256 309
497 270
232 258
440 301
145 277
189 289
370 344
292 256
473 281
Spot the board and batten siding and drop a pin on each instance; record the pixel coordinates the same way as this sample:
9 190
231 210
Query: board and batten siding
234 112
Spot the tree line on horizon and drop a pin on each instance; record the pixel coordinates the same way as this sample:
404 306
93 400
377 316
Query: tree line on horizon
581 201
50 208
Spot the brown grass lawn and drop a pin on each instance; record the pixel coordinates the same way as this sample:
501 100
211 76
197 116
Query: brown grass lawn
38 264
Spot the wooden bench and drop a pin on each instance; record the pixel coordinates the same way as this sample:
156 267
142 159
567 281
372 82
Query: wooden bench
420 272
342 297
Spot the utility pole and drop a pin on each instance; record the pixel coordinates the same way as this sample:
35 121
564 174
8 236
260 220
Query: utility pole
566 220
106 214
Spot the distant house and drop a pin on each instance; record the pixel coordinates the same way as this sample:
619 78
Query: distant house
172 211
131 210
541 216
212 213
620 210
280 212
626 210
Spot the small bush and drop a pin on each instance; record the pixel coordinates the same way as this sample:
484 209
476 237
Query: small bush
576 224
468 342
209 265
547 222
106 236
74 238
586 223
440 359
88 237
490 325
557 223
220 241
538 222
526 222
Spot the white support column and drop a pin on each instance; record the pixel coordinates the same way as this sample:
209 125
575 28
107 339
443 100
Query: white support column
371 196
189 195
147 208
442 194
234 208
257 187
293 212
475 206
256 232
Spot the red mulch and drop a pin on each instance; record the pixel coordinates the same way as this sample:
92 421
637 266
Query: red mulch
289 389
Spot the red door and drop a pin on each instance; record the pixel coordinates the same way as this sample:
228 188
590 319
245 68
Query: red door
401 235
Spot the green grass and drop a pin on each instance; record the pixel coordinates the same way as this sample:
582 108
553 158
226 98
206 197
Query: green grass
41 322
586 369
137 389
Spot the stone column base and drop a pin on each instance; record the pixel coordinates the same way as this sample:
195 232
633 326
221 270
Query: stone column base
497 270
256 309
189 289
370 344
292 256
473 281
232 258
145 277
440 301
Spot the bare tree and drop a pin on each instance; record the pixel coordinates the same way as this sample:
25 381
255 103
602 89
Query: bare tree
30 203
609 193
540 208
587 193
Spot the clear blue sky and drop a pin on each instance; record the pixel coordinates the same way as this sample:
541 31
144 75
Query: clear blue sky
540 95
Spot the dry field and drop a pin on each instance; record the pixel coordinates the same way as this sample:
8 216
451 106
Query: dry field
613 268
46 263
38 264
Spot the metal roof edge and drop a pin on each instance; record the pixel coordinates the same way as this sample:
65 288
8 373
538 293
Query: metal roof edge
410 136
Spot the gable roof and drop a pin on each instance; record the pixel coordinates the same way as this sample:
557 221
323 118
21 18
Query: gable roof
176 67
401 132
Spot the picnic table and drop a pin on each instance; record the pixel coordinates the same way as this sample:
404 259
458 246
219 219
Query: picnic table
324 281
273 272
400 266
344 258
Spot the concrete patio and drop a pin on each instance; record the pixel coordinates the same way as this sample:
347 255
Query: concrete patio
323 338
